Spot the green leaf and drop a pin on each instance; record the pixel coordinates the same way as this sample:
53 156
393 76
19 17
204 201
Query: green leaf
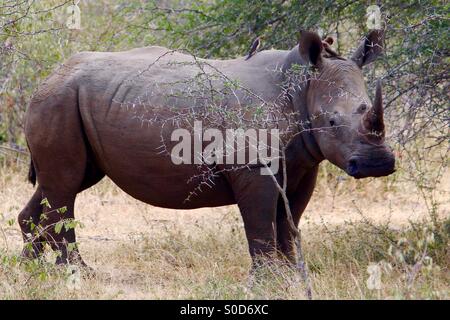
58 227
71 246
62 210
45 202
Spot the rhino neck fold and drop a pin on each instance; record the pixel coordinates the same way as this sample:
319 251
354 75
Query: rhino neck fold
303 152
306 148
312 148
311 154
307 134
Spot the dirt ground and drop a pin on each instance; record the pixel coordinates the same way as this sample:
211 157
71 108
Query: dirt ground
109 213
119 230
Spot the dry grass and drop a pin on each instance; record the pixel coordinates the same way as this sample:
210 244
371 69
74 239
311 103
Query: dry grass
140 251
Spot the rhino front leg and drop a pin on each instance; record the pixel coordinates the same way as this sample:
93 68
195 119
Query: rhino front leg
298 201
256 196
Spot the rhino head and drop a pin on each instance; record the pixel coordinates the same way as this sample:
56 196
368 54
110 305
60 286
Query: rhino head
347 126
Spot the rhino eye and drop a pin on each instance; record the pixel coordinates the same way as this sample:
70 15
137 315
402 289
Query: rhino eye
332 123
362 108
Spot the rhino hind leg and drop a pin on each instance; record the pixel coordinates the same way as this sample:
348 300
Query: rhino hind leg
62 240
59 152
32 226
38 230
28 219
61 180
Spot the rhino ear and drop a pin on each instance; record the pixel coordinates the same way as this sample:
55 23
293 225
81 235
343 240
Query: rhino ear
310 47
370 48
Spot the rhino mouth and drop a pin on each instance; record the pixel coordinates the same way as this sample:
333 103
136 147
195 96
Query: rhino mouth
363 167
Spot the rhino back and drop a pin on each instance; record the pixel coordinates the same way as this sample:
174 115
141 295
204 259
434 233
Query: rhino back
156 73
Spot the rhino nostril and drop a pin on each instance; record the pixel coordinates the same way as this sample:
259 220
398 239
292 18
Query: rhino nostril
352 167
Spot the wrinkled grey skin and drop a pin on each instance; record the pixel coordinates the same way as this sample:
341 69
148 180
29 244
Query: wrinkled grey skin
81 125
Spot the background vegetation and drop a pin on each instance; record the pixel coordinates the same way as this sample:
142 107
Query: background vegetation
34 40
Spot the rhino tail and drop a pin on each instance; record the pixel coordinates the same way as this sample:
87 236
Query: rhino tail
32 173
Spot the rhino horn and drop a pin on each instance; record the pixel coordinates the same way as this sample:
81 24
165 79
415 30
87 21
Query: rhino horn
373 118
